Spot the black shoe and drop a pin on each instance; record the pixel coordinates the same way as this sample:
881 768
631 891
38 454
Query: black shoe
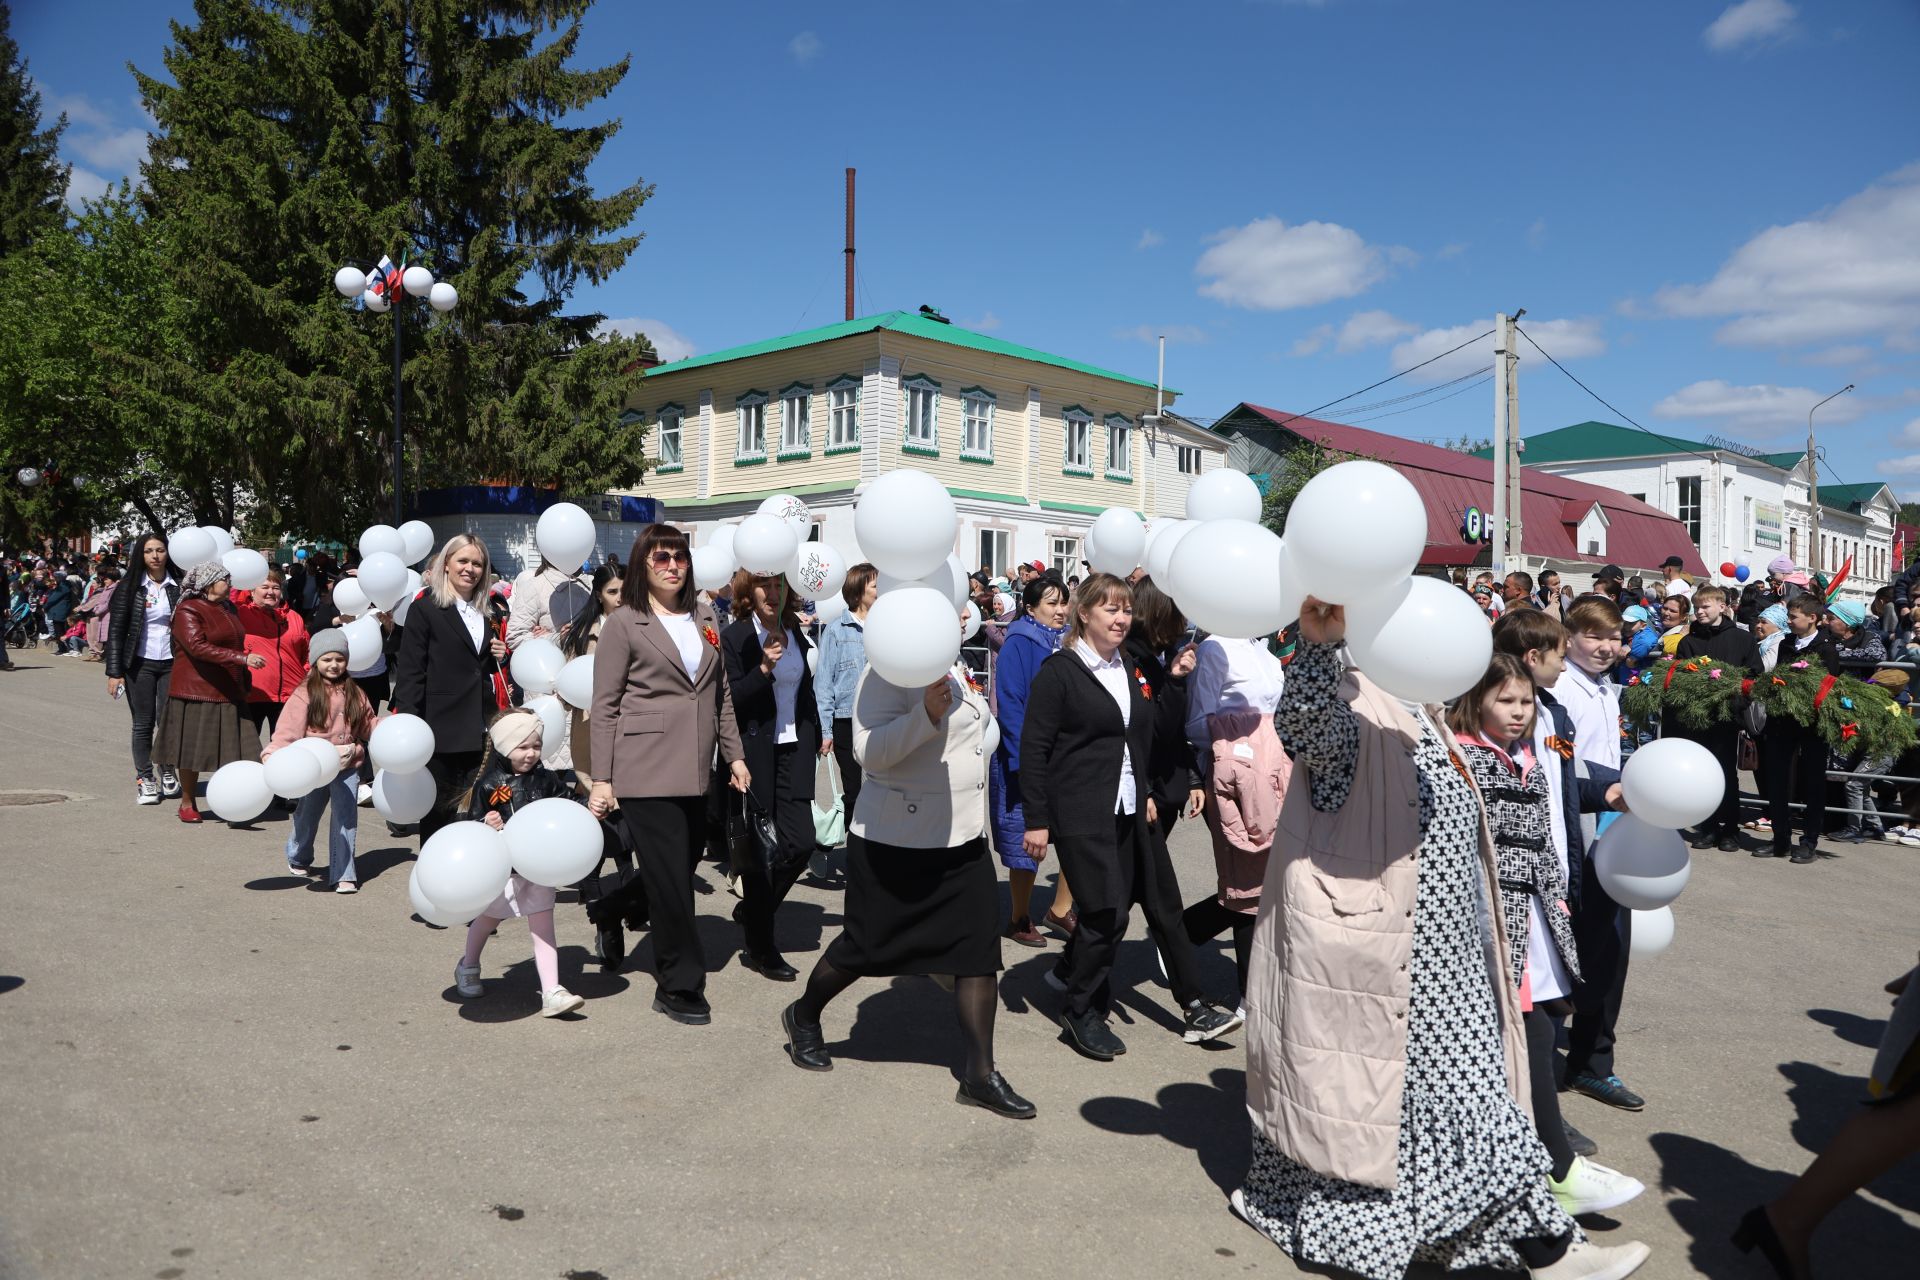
1607 1089
609 946
1774 851
772 966
1090 1034
694 1011
1804 854
1204 1022
1756 1228
997 1096
1581 1144
806 1045
1703 838
1728 842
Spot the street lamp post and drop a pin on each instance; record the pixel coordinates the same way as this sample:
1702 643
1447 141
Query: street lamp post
380 290
1813 481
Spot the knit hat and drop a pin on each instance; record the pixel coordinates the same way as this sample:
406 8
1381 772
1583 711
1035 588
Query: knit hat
1781 565
1848 612
327 640
1798 580
1892 679
512 729
1776 614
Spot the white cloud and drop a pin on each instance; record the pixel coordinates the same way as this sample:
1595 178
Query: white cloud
805 47
985 324
1150 239
1366 329
1910 434
1269 265
1907 466
117 151
1448 252
78 109
1847 272
1839 355
1175 334
83 184
1760 409
1751 22
1316 338
1567 339
669 344
1537 235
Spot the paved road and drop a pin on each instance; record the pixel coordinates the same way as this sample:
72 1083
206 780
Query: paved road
212 1070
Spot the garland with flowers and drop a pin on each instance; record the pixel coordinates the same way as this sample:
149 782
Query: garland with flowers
1852 716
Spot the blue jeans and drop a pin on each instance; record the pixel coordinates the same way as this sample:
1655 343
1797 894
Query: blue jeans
340 832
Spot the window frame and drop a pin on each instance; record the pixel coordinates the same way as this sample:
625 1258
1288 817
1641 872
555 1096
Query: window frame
801 394
911 389
1064 563
1002 539
1121 423
678 416
756 401
969 397
1074 417
1184 452
1681 504
848 385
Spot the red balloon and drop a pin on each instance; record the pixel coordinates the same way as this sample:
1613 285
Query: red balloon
1727 568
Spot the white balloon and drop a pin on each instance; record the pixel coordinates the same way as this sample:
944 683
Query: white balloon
401 743
28 476
536 665
324 753
827 608
1160 545
787 508
1650 932
723 538
970 622
463 867
713 566
1672 782
1225 576
443 296
192 547
817 571
349 598
1355 530
426 910
554 841
813 660
222 540
1640 865
949 579
365 640
905 523
376 538
1225 494
416 541
350 281
383 576
912 636
374 301
247 567
575 684
1425 640
238 792
992 736
1744 560
416 281
291 774
405 606
404 797
764 544
553 723
1122 541
565 536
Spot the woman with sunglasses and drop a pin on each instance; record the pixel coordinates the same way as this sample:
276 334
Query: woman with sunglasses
660 710
779 719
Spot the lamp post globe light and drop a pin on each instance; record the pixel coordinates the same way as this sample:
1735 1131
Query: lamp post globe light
380 290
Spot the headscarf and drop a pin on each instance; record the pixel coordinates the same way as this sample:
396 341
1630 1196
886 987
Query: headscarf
512 729
1848 612
1776 614
200 577
1780 565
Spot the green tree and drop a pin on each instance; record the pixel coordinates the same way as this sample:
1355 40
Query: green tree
1297 466
300 135
33 182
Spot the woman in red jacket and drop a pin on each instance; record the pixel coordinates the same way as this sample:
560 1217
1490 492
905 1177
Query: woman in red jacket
201 725
279 635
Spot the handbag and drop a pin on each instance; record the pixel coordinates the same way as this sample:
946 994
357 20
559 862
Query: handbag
830 823
753 842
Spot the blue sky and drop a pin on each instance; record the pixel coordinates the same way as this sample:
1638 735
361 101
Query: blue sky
1710 211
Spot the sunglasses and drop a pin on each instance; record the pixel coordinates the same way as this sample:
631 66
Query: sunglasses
664 558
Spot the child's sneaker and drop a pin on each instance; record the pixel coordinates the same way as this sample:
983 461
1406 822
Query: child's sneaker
1912 837
146 791
466 980
1893 835
558 1001
346 886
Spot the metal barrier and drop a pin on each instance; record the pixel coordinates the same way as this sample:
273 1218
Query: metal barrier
1856 813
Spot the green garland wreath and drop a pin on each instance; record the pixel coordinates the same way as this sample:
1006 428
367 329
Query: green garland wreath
1852 716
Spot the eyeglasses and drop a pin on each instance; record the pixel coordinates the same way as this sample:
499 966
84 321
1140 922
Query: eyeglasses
664 558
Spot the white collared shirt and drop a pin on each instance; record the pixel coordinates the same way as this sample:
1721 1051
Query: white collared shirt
1112 675
1594 706
1545 970
476 620
1230 675
156 636
786 683
686 638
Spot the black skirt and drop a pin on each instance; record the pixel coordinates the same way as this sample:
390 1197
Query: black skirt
919 911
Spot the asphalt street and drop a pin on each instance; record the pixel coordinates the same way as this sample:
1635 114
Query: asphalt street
212 1070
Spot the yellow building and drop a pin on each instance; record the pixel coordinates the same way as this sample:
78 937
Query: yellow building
1032 446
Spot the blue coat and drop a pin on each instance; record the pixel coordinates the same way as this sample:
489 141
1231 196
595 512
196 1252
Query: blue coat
1028 644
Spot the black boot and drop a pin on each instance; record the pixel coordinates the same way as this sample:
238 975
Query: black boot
806 1045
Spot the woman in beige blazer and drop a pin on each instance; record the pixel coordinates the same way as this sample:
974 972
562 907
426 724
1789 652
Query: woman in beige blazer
1386 1070
922 896
660 707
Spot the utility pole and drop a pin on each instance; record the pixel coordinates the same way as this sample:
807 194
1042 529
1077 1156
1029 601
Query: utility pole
849 249
1498 531
1514 487
1813 481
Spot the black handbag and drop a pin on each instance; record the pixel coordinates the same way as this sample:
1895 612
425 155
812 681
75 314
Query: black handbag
753 841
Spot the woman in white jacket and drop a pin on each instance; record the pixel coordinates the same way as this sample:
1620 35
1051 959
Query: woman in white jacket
922 896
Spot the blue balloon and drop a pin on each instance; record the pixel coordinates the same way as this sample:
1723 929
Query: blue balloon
1742 573
301 554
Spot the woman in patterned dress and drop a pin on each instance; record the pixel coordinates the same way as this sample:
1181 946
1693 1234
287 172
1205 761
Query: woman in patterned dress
1386 1074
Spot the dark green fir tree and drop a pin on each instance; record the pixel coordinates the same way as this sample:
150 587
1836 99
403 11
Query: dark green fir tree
33 182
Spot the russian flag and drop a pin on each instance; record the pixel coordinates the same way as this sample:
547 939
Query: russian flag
384 280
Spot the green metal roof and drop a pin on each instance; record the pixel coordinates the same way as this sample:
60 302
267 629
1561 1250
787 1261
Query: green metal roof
1785 461
907 322
1589 441
1849 497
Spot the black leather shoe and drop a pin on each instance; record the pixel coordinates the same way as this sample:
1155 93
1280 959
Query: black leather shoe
609 946
1727 843
1581 1144
694 1011
1773 851
1804 854
806 1045
997 1096
1090 1034
1703 838
773 967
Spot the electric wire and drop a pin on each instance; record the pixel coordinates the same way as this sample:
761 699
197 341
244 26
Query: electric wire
1682 445
1416 395
1429 404
1282 422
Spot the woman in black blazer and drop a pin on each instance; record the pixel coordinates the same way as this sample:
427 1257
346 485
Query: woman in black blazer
444 670
1085 754
779 721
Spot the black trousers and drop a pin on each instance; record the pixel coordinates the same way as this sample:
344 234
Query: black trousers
849 767
761 896
452 772
1547 1123
146 684
1723 740
1110 873
1602 929
667 833
1791 747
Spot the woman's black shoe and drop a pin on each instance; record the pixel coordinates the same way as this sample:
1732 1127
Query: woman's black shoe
773 967
997 1096
1090 1034
694 1011
807 1045
1772 851
1804 854
609 946
1757 1229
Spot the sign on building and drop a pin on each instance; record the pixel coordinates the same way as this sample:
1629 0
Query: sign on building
1768 521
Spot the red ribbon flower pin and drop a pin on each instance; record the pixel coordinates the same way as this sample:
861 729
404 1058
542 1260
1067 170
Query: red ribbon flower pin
1146 690
712 637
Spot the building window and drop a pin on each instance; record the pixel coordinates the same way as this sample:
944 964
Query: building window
1188 457
1119 447
1079 454
750 444
1638 497
976 438
1065 557
843 408
1689 506
796 425
996 549
666 446
923 415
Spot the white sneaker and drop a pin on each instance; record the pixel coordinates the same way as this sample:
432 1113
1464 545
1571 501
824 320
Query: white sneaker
146 791
1589 1261
1591 1187
1912 837
1237 1205
169 783
557 1001
346 886
466 980
364 796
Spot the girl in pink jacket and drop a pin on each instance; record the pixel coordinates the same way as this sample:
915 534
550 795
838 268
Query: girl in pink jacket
329 705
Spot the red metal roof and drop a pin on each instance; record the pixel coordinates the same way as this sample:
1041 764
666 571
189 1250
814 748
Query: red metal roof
1639 536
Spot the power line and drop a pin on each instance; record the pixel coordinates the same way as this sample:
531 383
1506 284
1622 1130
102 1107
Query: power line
1681 444
1424 391
1429 404
1277 425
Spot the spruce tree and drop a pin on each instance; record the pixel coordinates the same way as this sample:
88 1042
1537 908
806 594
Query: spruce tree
33 182
300 135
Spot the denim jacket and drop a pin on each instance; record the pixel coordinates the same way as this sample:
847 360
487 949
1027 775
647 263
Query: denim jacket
843 653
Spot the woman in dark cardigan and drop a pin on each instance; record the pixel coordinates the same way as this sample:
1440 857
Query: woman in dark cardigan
1084 759
444 670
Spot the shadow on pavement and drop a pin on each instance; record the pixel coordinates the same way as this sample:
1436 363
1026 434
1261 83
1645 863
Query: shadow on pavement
1210 1121
11 982
267 884
1851 1027
907 1020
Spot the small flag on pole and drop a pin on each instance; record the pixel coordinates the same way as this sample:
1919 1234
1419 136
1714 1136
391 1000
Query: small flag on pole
384 281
